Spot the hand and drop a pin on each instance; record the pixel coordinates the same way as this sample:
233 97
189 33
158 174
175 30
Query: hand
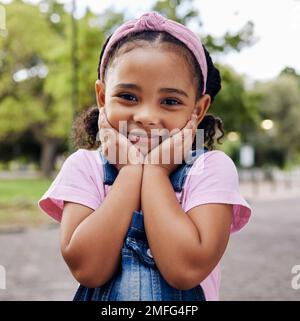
115 146
175 148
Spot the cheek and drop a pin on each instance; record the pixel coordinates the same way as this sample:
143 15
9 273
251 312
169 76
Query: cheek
178 120
117 118
177 124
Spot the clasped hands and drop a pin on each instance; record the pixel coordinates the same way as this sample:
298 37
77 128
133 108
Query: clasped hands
121 152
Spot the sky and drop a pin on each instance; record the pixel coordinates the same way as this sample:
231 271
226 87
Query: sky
276 26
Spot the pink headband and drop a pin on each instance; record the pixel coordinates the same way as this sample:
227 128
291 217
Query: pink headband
155 21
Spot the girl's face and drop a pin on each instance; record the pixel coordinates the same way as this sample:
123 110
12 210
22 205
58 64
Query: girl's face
152 92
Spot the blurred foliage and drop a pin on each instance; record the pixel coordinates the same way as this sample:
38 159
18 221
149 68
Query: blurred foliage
41 104
280 102
234 104
184 11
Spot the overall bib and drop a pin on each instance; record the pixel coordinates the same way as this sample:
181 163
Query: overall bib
138 278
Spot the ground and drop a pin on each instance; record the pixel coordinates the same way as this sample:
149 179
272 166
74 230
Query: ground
257 264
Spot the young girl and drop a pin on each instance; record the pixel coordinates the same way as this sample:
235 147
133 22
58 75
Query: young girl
139 229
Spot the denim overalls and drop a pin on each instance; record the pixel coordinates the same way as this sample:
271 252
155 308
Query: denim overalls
138 278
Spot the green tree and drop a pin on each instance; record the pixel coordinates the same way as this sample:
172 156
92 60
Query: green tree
35 81
26 59
236 105
279 102
185 12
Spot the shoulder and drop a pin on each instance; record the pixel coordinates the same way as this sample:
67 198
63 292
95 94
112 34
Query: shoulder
83 160
81 170
79 180
215 163
83 156
214 178
217 157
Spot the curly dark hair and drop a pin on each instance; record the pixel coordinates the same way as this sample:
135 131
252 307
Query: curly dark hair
85 127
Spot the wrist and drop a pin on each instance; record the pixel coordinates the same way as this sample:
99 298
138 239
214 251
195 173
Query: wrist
131 167
156 168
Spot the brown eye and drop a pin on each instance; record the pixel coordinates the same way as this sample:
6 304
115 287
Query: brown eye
172 101
127 97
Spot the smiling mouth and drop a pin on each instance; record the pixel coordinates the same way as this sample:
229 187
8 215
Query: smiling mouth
143 139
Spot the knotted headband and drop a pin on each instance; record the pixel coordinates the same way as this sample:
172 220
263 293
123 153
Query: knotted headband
156 22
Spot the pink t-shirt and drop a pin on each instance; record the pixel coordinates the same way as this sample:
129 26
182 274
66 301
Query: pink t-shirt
213 178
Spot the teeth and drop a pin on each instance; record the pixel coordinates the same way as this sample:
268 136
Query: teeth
134 138
143 139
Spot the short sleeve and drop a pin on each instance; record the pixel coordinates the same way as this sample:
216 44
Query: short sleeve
213 178
75 182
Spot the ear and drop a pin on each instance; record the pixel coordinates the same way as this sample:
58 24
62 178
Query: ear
201 107
100 93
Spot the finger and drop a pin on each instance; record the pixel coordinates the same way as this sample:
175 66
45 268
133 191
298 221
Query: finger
106 122
104 149
194 114
189 135
194 117
101 111
191 121
102 114
189 124
178 138
193 124
175 131
106 134
103 121
103 136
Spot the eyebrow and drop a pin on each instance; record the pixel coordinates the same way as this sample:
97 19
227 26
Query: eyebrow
161 90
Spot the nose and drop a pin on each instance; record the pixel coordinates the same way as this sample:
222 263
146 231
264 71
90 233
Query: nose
146 118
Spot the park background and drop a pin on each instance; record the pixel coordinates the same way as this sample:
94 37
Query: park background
49 51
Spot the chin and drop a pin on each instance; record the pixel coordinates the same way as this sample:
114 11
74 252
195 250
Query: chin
144 149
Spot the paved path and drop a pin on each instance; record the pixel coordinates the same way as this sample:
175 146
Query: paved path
258 261
257 264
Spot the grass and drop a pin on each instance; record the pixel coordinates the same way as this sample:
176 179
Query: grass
18 202
15 190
